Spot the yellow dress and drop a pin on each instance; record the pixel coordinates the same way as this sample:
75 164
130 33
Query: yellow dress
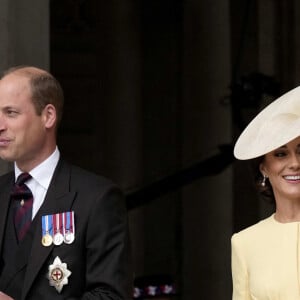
266 261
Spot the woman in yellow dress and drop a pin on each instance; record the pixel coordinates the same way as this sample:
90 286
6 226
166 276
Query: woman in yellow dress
266 256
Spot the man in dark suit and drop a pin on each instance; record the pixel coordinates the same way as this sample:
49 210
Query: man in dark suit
76 243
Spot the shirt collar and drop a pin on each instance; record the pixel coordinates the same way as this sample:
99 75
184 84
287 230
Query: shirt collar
44 171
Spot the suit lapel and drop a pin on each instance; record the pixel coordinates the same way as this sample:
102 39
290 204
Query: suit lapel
58 199
6 185
21 259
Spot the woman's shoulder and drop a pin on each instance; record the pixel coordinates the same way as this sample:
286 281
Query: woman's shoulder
263 228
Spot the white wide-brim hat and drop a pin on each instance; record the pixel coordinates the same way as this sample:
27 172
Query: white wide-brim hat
276 125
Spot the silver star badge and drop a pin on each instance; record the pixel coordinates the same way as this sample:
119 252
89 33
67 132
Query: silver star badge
58 274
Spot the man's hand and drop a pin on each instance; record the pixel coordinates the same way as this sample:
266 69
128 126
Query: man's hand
5 297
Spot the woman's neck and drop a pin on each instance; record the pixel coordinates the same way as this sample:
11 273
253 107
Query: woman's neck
288 212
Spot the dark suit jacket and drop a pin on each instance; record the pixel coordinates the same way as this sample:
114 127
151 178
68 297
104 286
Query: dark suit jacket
99 256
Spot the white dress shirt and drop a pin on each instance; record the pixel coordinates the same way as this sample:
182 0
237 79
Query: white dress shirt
40 181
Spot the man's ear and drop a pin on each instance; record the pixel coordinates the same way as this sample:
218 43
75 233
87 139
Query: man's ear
49 116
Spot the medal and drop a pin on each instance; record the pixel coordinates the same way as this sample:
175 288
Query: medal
47 240
58 274
69 238
47 230
58 228
58 238
69 227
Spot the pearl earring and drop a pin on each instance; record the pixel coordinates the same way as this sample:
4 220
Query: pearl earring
263 183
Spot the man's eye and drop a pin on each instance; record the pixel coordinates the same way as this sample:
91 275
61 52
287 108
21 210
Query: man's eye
12 113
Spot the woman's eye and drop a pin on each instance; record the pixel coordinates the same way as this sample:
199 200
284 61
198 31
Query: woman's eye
280 154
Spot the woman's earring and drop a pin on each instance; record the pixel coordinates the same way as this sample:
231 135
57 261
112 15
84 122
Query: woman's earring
263 183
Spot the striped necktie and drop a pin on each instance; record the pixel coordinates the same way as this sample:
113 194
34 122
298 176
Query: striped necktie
23 201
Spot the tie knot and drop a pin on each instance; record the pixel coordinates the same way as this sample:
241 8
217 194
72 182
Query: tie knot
23 177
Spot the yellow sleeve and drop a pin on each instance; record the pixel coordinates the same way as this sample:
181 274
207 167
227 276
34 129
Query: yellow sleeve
239 272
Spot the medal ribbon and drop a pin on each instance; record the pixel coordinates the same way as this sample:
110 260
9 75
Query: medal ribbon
69 225
47 227
57 220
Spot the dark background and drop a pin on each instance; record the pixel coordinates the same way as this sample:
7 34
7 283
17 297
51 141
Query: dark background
156 94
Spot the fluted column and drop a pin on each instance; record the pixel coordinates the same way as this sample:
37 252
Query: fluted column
207 203
24 38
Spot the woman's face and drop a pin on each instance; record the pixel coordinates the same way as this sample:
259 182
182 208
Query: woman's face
282 167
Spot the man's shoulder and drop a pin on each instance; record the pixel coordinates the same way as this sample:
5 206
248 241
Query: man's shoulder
83 177
7 177
90 188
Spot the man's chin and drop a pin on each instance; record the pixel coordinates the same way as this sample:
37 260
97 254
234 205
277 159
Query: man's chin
6 158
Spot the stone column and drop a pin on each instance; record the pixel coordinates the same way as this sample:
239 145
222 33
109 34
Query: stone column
267 59
296 58
24 38
119 134
207 203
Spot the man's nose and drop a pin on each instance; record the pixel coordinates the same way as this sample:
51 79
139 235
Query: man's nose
2 123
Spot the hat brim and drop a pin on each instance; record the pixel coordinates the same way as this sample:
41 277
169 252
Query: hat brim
273 127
